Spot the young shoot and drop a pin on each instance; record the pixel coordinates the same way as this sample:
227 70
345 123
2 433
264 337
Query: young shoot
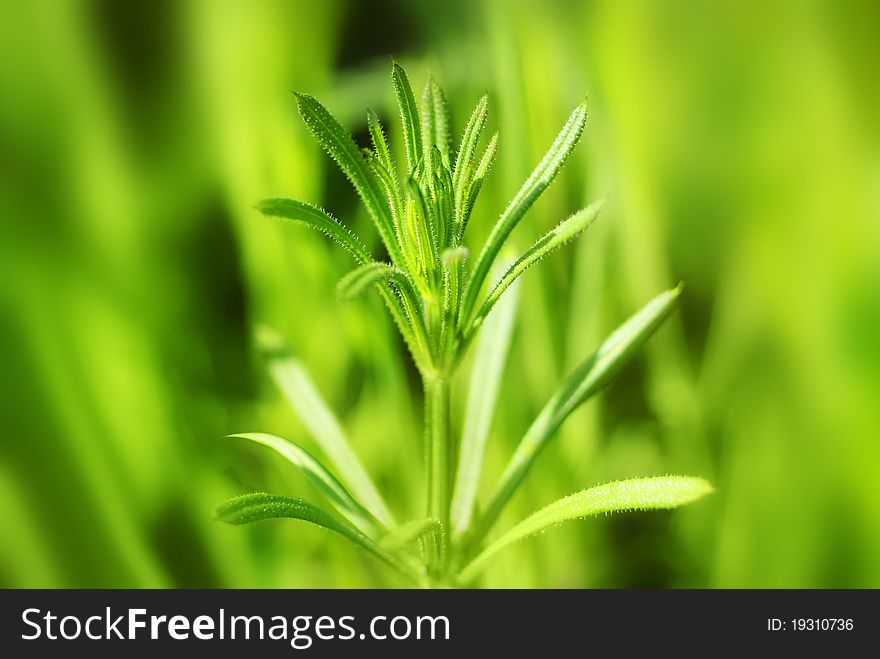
435 287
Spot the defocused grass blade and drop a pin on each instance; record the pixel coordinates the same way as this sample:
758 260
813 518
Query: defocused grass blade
296 385
320 477
537 182
581 384
565 231
408 533
298 211
491 354
256 507
338 143
409 116
635 494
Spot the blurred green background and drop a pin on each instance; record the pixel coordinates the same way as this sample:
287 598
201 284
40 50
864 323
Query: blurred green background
740 145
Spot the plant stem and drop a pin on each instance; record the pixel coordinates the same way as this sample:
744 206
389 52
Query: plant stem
437 390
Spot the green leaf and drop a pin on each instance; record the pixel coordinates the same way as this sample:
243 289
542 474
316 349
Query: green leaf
380 144
435 118
256 507
563 232
408 533
356 282
296 385
465 158
587 379
421 227
409 116
488 158
491 354
338 143
320 477
467 205
636 494
385 167
537 182
298 211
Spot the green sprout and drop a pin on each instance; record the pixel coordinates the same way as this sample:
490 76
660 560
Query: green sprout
437 300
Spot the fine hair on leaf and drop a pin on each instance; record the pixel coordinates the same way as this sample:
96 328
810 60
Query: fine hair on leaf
434 280
635 494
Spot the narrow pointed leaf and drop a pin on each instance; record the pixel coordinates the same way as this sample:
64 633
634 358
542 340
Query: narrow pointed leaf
380 144
326 483
383 165
537 182
586 380
563 232
466 204
362 278
488 158
298 211
409 323
338 143
296 385
469 140
488 367
657 493
359 280
409 116
435 118
256 507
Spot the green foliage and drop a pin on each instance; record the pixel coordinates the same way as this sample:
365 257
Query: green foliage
585 381
296 385
338 143
634 494
434 298
298 211
540 178
491 354
550 241
326 483
258 506
407 533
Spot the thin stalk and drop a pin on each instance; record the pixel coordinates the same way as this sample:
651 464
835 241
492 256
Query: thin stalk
437 439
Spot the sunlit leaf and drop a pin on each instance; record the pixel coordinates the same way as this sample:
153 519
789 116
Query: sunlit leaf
491 353
298 211
464 161
635 494
338 143
256 507
435 118
475 185
580 385
537 182
385 166
409 116
380 143
299 390
356 282
563 232
320 477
